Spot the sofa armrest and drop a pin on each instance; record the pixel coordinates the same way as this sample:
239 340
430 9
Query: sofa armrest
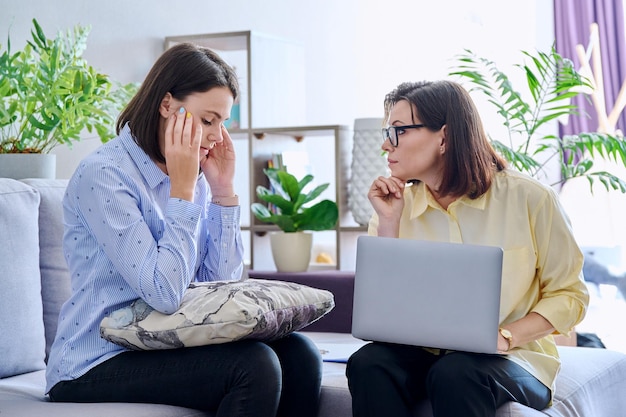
340 283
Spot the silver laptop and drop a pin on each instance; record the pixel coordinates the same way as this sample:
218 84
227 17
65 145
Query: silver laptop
431 294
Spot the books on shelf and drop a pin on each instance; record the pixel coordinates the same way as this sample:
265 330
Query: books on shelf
276 161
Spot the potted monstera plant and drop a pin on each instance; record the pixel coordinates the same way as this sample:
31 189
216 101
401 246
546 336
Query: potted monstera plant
50 95
288 209
551 83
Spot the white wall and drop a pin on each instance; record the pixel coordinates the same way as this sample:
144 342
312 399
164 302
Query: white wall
356 50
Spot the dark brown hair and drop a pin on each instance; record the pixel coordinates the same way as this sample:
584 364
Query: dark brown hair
181 70
470 160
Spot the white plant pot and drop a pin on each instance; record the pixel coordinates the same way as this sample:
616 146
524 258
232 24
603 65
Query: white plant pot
28 165
291 251
368 163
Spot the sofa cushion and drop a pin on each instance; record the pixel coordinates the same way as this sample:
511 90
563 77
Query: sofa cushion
218 312
23 396
55 276
22 340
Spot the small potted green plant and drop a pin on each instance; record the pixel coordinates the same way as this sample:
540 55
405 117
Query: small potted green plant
291 248
50 95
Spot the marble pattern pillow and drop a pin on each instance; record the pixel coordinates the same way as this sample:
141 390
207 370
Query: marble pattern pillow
219 312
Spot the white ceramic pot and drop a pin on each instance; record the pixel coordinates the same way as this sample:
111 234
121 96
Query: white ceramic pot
291 251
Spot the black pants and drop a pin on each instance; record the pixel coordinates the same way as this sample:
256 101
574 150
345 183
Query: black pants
390 380
245 378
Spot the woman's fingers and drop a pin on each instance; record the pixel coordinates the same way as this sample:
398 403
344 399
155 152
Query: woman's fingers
183 132
169 130
183 138
383 185
179 125
187 130
226 136
386 186
191 137
197 137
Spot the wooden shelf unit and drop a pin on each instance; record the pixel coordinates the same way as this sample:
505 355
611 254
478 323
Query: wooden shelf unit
272 114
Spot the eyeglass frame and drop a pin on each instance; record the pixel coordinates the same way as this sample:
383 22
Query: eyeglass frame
387 135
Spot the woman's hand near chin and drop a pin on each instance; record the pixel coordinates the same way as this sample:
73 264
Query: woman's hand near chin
182 154
219 166
386 194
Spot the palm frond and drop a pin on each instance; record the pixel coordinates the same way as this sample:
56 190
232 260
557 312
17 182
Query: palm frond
551 83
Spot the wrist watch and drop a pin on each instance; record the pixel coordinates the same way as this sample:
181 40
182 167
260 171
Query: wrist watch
508 336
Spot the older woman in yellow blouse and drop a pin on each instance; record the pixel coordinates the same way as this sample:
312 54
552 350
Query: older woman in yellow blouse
448 184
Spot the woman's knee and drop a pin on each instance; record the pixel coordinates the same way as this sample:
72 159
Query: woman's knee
367 360
454 370
258 364
299 349
305 347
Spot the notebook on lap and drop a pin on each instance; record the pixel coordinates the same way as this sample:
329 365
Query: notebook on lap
423 293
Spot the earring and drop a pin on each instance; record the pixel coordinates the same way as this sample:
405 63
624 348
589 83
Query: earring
441 149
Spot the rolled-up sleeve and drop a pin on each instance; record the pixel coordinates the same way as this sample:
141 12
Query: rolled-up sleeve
563 293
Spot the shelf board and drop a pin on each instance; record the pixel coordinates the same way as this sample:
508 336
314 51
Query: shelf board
273 228
227 41
353 229
299 131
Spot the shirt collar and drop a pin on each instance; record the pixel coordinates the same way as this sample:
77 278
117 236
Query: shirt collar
423 198
151 173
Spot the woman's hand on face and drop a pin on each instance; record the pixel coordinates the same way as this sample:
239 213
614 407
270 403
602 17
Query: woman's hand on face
387 197
219 165
182 153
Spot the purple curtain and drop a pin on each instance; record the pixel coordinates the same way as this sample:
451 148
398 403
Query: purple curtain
572 20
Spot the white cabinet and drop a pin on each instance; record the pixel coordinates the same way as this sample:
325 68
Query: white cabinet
272 112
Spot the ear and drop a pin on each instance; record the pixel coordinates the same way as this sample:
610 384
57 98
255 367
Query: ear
167 106
443 130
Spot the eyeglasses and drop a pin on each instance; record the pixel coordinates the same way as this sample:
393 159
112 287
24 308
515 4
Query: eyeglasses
392 132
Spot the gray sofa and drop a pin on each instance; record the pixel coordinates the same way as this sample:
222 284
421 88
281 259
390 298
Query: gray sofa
35 283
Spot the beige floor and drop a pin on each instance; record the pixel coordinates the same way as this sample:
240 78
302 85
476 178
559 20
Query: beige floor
606 317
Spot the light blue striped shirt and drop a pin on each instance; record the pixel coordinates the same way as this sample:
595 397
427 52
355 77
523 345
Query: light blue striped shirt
125 238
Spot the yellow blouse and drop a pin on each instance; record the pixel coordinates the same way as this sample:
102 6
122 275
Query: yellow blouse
542 265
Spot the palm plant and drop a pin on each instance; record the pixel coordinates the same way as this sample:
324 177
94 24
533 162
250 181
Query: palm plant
552 82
